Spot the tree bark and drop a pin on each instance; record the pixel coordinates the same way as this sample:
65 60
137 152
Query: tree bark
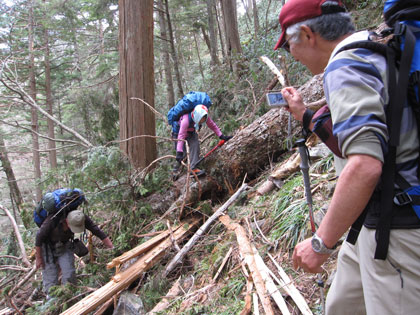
212 33
10 175
52 153
82 103
34 113
137 80
256 20
206 37
173 52
231 22
233 43
200 65
166 60
222 44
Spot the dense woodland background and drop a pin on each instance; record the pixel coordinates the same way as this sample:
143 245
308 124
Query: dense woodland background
82 82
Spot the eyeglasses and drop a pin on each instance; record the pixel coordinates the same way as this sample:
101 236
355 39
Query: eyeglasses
286 45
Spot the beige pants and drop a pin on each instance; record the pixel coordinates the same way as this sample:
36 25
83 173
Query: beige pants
363 285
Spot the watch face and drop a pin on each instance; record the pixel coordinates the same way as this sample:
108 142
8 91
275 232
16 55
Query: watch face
316 245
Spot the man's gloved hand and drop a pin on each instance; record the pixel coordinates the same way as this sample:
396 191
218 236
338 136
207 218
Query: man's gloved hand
226 138
179 156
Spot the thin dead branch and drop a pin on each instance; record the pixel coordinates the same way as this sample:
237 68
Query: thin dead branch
178 258
25 259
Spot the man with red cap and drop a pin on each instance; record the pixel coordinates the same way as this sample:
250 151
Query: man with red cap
355 86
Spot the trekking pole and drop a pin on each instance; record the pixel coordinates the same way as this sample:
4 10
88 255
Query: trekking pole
304 167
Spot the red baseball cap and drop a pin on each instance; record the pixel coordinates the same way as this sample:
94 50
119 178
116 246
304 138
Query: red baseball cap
295 11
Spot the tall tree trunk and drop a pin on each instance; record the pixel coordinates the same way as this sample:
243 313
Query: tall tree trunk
101 38
52 153
256 20
166 60
137 80
198 56
232 34
212 33
34 112
206 37
231 23
248 8
222 43
82 103
10 175
173 52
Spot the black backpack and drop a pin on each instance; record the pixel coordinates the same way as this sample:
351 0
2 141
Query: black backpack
402 53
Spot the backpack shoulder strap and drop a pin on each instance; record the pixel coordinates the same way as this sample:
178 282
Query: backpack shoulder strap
367 44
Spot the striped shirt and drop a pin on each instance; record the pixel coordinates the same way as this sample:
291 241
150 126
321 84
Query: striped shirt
355 85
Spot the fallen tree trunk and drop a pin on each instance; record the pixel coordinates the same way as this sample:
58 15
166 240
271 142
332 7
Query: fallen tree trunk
255 146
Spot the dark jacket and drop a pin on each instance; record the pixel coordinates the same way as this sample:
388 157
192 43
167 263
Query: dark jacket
52 232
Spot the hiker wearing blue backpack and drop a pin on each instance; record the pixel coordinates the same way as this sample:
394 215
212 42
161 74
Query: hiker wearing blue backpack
186 119
55 244
376 134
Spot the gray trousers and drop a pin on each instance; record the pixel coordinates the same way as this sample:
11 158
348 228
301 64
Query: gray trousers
194 147
364 285
64 260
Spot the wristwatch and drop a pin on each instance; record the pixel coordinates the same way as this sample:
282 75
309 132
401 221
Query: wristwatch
319 247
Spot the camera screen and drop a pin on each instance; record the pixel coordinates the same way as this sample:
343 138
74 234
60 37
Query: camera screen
276 99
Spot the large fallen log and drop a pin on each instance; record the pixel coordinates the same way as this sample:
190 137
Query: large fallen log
261 142
123 279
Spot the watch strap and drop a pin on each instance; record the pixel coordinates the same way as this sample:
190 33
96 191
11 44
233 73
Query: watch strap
306 121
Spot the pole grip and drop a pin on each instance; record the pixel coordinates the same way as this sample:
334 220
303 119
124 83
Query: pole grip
304 167
303 151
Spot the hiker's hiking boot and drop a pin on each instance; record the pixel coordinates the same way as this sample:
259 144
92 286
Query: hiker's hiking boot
197 172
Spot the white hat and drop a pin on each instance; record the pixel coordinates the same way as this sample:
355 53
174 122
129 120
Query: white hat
197 114
76 221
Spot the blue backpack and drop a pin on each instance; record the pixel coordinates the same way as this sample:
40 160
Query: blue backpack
60 201
402 53
186 105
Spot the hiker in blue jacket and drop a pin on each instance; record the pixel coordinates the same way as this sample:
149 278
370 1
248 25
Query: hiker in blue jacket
355 84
